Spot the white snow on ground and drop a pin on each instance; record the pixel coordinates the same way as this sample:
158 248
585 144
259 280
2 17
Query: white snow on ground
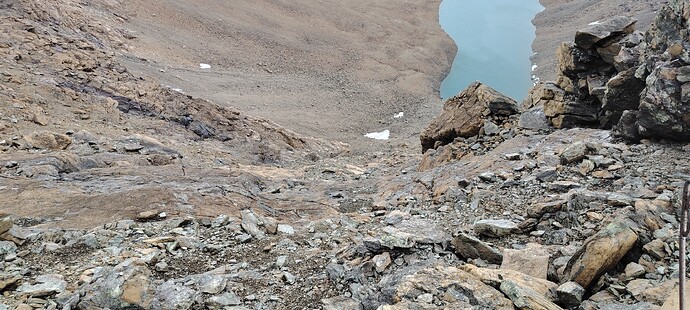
399 115
383 135
534 67
204 66
595 23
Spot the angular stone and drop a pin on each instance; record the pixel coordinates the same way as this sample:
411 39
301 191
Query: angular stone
533 260
225 299
47 285
250 224
600 32
673 301
170 295
600 253
48 140
573 153
656 249
634 270
495 228
5 223
341 302
539 209
286 229
622 93
462 285
494 278
382 261
570 294
467 247
125 283
525 298
534 118
463 115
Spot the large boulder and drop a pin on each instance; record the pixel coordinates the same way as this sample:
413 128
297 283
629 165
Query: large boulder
600 253
600 33
463 115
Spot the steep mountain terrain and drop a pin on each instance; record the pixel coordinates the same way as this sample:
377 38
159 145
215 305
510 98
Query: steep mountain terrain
133 177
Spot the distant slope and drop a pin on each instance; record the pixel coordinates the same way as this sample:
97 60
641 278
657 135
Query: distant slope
334 69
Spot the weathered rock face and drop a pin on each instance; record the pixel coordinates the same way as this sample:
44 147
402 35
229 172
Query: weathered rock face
464 114
613 76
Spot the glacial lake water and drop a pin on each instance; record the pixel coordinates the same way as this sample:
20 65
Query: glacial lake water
494 39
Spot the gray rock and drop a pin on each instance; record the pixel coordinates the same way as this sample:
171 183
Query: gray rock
467 246
47 285
286 229
490 128
599 32
570 294
250 224
573 153
382 261
534 118
121 286
7 247
211 284
495 228
289 278
634 270
341 302
547 174
526 298
223 300
170 295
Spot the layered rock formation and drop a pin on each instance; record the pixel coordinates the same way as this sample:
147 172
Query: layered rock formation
613 76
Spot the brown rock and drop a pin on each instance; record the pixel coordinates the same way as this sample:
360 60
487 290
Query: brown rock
495 277
533 261
436 280
463 115
469 247
5 223
600 253
48 140
672 301
525 298
656 248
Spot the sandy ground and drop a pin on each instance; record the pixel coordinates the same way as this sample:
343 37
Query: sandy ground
332 69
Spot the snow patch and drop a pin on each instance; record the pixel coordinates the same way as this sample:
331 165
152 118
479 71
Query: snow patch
383 135
595 23
534 67
204 66
399 115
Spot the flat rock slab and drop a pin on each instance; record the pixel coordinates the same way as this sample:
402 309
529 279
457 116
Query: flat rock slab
597 32
495 228
467 246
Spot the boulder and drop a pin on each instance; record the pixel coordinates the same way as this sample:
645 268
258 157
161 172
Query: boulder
48 140
662 111
533 260
494 278
453 285
467 246
125 285
525 298
495 228
601 33
570 294
463 115
600 253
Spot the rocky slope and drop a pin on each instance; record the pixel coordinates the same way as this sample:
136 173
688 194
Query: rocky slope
121 193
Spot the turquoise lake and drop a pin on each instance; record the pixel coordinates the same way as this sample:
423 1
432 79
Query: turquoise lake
494 39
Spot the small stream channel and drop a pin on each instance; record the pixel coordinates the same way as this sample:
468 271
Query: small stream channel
494 39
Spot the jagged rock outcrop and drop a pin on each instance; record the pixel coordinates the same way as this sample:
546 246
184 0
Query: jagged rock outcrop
615 77
464 115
